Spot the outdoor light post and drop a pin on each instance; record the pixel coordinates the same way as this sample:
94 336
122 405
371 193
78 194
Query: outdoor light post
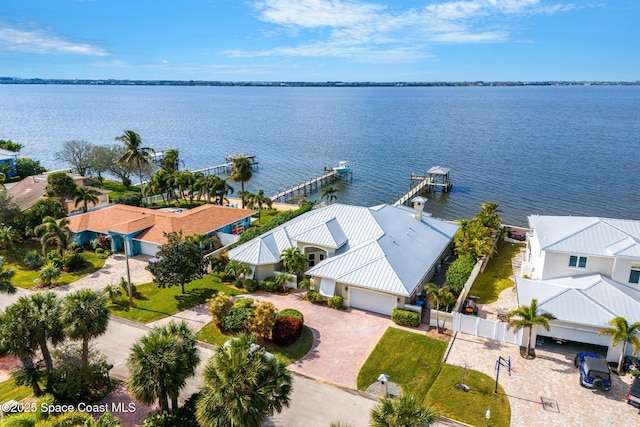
384 379
126 261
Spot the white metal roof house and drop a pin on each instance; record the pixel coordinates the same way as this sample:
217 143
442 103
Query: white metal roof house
377 258
585 271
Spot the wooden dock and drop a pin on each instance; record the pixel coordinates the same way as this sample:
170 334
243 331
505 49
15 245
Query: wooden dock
436 178
227 167
312 184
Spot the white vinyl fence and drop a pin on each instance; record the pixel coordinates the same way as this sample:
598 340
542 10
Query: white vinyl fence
472 325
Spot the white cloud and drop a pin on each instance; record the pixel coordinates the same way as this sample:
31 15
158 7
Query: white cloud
43 42
365 31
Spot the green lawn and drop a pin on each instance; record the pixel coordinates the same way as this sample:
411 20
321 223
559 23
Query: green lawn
495 278
266 215
212 335
153 303
411 360
117 188
9 391
24 277
469 407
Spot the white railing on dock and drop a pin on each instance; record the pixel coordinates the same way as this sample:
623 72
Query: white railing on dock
412 192
303 186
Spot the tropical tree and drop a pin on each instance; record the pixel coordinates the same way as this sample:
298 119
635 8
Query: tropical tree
5 278
488 215
49 273
9 209
280 281
16 335
239 270
28 167
160 363
76 153
9 236
85 316
135 154
329 193
85 196
54 233
120 170
242 171
293 261
623 332
178 262
170 162
404 410
242 387
261 200
264 319
42 311
61 186
528 317
440 297
112 291
41 209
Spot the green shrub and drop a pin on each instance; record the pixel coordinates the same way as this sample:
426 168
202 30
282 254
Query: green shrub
270 285
405 317
314 297
335 302
458 273
291 312
55 258
251 285
131 199
99 251
279 219
286 330
237 319
76 247
33 260
73 261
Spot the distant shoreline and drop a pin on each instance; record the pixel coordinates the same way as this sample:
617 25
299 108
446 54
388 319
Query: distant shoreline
125 82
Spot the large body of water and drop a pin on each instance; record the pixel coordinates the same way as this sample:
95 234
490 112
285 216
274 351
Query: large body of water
565 150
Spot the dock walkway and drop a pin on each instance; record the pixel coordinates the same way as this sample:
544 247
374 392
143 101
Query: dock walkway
309 185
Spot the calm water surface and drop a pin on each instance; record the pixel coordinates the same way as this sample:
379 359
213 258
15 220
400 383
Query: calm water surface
547 150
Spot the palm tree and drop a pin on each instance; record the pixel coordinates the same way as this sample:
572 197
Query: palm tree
528 317
242 172
160 362
293 261
625 333
17 337
239 270
260 200
135 154
49 272
85 196
85 316
5 278
54 233
329 193
43 319
9 236
404 410
242 387
440 296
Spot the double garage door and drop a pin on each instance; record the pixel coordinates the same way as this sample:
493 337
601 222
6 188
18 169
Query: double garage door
372 301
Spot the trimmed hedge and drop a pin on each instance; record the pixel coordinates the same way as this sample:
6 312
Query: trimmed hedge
335 302
458 273
314 297
286 330
291 312
270 286
251 285
279 219
405 317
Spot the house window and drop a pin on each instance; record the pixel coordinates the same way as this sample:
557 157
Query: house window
634 276
321 257
311 260
578 261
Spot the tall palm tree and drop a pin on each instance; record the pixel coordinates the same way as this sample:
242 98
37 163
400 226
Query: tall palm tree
160 362
9 236
242 387
54 233
329 193
404 410
440 297
135 154
260 200
293 261
242 172
528 317
18 338
623 332
43 318
5 278
85 196
85 316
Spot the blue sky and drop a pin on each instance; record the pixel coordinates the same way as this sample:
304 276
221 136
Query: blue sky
321 40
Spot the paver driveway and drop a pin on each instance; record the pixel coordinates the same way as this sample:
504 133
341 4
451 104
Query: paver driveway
551 377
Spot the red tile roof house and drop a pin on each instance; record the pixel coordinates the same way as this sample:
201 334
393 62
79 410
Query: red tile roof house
143 229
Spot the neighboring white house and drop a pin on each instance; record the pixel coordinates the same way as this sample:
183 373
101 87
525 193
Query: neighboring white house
585 271
376 258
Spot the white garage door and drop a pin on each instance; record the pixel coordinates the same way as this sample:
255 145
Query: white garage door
574 334
371 301
147 248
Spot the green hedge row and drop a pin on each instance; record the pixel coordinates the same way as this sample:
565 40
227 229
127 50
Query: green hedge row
279 219
405 317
